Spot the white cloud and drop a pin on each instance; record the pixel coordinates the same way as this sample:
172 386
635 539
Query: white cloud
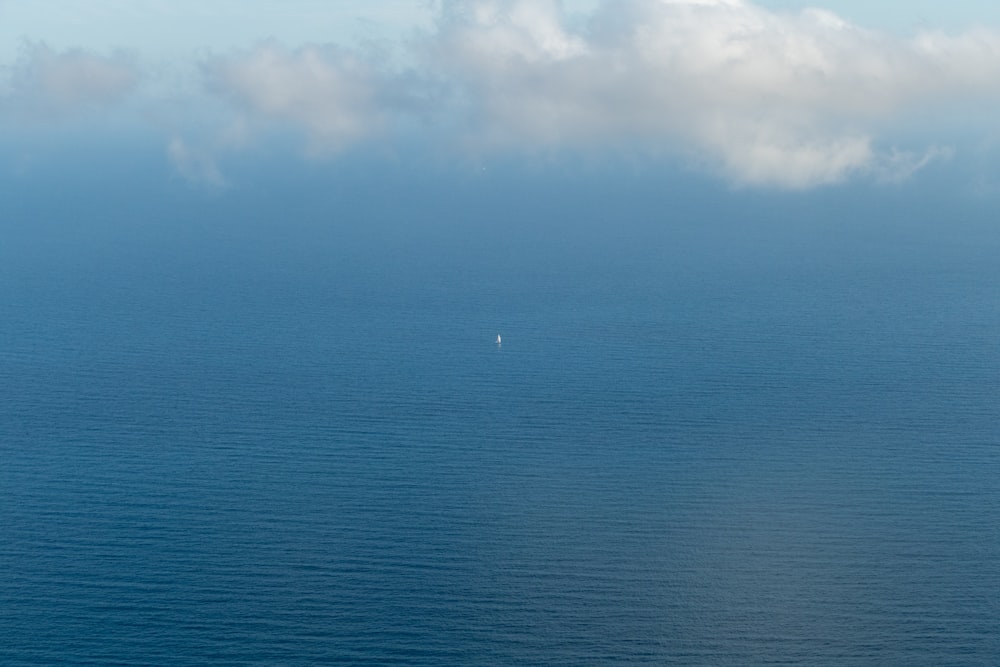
766 98
759 153
331 93
46 82
774 99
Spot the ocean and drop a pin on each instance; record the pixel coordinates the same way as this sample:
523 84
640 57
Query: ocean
698 443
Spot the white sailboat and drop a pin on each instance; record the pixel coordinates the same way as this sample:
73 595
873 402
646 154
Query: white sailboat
498 339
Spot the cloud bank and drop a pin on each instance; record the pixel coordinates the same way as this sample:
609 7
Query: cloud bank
768 99
771 99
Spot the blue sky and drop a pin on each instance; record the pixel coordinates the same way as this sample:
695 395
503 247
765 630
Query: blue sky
185 27
779 95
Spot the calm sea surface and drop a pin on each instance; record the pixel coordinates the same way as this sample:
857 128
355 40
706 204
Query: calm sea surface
220 451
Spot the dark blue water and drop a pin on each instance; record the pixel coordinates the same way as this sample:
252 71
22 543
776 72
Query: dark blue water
721 446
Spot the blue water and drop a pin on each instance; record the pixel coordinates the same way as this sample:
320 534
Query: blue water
743 445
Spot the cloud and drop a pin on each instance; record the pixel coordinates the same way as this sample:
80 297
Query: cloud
765 98
196 165
898 166
774 99
331 93
46 83
771 99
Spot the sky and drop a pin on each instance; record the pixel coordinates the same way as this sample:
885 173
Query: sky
776 95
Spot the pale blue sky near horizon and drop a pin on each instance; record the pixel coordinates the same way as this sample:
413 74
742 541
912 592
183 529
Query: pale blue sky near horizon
181 26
